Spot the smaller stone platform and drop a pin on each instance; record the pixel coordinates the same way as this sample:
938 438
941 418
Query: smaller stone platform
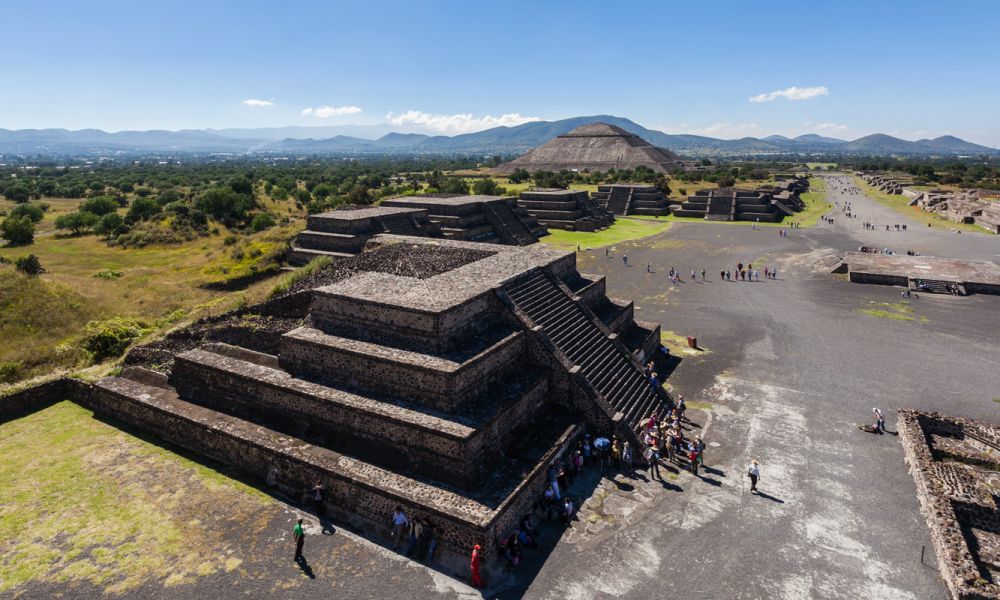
914 271
342 233
632 199
955 464
489 219
571 210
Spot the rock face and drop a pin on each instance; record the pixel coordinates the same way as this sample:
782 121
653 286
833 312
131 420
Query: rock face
438 375
955 464
595 147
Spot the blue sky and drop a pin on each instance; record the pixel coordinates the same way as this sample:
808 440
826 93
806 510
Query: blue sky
846 69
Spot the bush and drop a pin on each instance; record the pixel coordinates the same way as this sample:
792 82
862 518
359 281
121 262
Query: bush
454 185
100 205
519 176
10 371
108 274
110 225
142 209
33 210
108 339
18 231
18 193
78 223
29 265
486 187
262 221
224 203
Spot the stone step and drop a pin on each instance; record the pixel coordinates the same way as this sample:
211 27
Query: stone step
452 448
300 256
441 381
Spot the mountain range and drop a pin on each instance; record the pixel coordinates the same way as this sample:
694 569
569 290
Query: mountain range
347 140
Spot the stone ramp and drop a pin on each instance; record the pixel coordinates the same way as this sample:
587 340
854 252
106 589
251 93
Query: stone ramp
609 370
507 224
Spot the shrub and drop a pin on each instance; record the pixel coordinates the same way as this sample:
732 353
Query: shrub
142 209
78 222
486 187
108 274
224 203
18 231
262 221
99 205
110 225
29 265
108 339
33 210
10 371
18 193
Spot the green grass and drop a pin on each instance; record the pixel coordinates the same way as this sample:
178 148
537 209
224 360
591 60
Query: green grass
678 346
894 311
821 166
900 204
623 230
81 501
41 318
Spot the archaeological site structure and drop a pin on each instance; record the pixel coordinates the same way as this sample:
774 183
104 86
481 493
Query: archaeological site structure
440 375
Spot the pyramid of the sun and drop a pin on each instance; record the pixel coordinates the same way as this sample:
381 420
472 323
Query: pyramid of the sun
595 147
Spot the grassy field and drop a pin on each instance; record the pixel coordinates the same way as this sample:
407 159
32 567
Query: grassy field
83 502
623 230
900 204
42 318
818 166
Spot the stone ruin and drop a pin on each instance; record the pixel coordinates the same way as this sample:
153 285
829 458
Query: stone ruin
632 199
571 210
438 375
886 183
960 207
769 204
344 233
955 464
489 219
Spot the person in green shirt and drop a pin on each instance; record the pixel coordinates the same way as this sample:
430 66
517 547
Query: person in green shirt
300 539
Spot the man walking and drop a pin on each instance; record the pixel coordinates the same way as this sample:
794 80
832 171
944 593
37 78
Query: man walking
300 539
754 473
879 421
399 523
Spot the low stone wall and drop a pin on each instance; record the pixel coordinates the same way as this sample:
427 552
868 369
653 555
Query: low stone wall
29 400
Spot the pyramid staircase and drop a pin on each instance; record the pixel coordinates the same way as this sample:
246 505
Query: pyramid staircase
507 224
608 368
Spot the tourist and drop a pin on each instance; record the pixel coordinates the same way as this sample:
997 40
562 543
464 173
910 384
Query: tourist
627 458
653 458
693 277
754 473
648 268
703 274
399 523
693 458
879 421
415 532
616 452
476 580
553 480
774 273
561 479
588 449
317 497
567 511
654 382
432 543
607 252
625 259
722 275
300 539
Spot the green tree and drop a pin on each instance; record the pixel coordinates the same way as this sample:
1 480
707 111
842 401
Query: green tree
486 187
110 225
454 185
18 193
18 231
224 203
519 176
32 210
100 205
262 221
359 194
142 209
78 223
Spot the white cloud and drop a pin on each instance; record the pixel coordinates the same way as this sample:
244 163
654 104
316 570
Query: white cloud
325 112
258 102
458 123
792 93
830 127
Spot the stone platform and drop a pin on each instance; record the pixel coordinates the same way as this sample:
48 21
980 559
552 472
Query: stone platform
490 219
973 276
632 199
447 391
342 233
955 464
571 210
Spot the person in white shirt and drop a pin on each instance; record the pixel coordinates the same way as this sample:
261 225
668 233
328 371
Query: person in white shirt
879 421
754 473
399 523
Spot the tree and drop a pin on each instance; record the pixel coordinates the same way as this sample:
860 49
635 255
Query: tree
142 209
359 194
100 205
454 185
18 231
548 179
29 265
486 187
78 222
262 221
519 176
32 210
323 190
726 181
224 203
110 225
18 193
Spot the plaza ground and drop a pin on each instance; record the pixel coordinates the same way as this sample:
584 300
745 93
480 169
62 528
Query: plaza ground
792 367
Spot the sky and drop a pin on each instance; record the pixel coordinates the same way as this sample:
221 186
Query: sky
726 69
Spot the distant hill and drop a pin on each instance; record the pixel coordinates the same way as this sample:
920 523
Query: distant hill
378 140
